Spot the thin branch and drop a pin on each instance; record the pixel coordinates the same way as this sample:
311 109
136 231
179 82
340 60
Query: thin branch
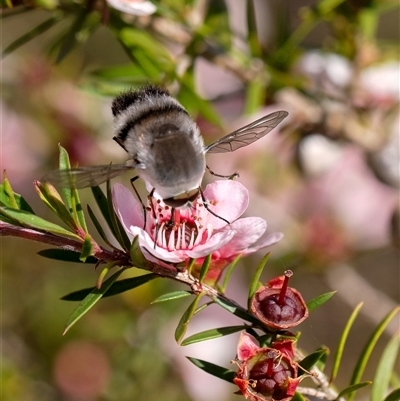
62 242
314 393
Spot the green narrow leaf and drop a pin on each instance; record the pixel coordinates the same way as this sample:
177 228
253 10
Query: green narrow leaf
343 338
87 248
7 3
368 22
229 272
255 95
255 281
170 296
186 318
215 370
77 210
211 334
235 310
380 384
298 397
90 300
6 219
104 273
264 340
49 195
14 202
324 358
32 34
283 56
327 6
98 226
395 380
71 195
117 288
102 203
191 264
123 73
65 255
137 258
64 164
151 56
352 389
204 268
29 220
310 360
194 103
252 36
202 307
8 191
148 65
320 300
71 38
393 396
365 354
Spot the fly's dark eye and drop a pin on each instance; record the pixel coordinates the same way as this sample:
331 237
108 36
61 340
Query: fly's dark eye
182 200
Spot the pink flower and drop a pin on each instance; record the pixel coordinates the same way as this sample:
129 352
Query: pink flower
194 231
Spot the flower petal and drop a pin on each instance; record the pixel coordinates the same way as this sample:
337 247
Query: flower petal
247 346
127 207
267 240
213 244
248 231
229 199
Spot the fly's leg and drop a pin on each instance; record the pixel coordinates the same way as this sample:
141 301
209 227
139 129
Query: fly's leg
229 177
205 203
153 211
171 221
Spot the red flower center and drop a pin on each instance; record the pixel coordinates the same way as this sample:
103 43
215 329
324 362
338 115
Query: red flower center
172 231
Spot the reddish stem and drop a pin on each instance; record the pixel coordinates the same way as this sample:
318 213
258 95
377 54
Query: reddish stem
62 242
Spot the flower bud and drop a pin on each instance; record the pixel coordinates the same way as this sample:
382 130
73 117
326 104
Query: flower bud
279 306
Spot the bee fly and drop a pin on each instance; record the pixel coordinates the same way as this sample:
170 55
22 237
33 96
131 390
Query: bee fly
164 145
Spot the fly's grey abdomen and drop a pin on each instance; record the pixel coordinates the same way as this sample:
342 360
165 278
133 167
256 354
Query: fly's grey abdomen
160 136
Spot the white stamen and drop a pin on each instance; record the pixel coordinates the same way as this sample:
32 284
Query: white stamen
199 234
178 240
183 239
191 240
163 240
171 242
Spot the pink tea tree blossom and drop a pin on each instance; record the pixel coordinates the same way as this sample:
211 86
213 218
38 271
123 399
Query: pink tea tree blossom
194 232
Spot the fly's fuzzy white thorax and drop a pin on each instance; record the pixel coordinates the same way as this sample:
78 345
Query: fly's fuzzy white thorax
133 105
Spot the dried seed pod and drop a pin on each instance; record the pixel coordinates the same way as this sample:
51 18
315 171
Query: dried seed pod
266 373
279 306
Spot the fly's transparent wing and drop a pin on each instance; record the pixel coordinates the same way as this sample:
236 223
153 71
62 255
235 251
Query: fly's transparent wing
248 134
83 177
